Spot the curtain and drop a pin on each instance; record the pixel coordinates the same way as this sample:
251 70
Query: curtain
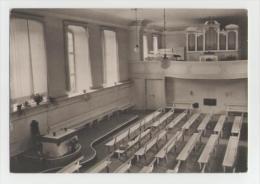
38 57
82 69
28 73
110 57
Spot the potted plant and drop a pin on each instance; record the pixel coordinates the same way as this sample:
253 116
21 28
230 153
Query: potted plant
19 108
37 98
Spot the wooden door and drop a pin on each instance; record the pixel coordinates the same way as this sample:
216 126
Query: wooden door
154 93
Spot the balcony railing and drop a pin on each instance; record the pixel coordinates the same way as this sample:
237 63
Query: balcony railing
236 69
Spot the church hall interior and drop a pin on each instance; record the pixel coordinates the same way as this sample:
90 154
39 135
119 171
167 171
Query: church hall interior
128 90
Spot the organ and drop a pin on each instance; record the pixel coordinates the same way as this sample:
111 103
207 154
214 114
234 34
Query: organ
208 42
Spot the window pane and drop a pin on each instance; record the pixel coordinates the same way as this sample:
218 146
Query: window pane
145 47
211 39
79 61
232 40
155 44
200 43
222 42
110 57
191 42
70 42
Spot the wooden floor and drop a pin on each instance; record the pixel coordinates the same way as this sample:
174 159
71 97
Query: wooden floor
88 134
191 164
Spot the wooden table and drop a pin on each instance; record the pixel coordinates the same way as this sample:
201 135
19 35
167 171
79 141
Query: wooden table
131 143
124 167
176 120
205 155
55 144
162 119
203 124
168 146
236 128
72 167
231 153
100 166
192 119
149 168
219 126
142 151
185 152
132 129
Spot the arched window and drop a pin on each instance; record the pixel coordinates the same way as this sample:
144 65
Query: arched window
191 42
231 40
211 39
200 42
222 41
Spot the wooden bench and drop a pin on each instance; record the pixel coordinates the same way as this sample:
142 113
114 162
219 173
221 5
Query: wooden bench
192 119
189 146
100 166
219 126
236 108
149 168
123 135
208 149
133 142
176 120
72 167
176 168
236 127
204 123
231 153
124 167
119 137
142 151
163 119
168 146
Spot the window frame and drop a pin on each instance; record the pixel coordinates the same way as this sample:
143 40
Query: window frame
102 29
67 23
40 19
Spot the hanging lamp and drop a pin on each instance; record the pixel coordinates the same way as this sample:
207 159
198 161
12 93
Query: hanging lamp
136 49
164 62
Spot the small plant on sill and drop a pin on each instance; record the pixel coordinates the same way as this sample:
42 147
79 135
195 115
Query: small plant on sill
37 98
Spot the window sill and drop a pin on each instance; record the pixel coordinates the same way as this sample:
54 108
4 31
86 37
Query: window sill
60 102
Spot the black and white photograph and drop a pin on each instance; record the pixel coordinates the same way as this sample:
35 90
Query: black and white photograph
128 90
134 90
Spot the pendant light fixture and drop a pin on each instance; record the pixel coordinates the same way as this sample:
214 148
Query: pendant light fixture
136 49
164 63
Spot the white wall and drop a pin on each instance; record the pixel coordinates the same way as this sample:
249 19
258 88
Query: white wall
67 113
232 91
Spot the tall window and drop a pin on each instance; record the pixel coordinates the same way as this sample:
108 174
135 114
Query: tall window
110 58
78 59
145 47
28 68
155 44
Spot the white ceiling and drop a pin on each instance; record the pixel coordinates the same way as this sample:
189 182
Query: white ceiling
175 17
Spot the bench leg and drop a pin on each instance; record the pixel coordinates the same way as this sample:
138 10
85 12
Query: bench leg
137 158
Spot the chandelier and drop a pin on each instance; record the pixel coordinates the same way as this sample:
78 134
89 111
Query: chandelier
136 49
164 62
